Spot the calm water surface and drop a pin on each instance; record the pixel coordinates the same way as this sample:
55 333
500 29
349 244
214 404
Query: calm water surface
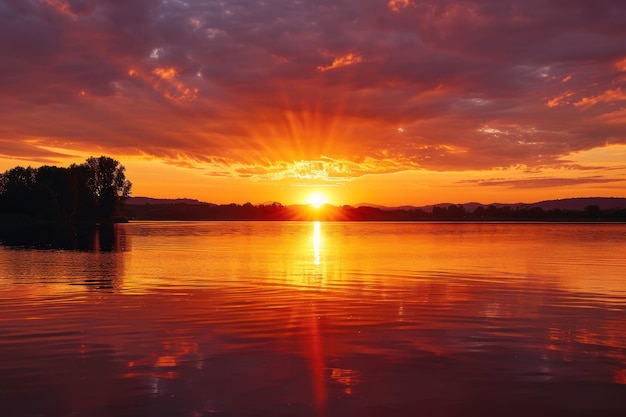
316 319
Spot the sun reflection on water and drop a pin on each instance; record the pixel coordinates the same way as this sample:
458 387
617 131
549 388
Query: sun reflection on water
317 242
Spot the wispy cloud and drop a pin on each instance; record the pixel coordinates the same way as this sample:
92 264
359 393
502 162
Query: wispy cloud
342 61
543 182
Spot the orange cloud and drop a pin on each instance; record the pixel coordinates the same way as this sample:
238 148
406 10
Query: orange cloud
617 117
342 61
608 96
560 100
396 5
165 73
168 83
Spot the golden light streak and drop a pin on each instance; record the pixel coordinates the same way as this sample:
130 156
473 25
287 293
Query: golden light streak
298 143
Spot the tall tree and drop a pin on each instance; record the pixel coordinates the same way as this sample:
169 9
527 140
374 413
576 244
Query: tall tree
107 183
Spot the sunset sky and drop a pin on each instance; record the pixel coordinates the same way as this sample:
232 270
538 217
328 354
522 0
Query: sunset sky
381 101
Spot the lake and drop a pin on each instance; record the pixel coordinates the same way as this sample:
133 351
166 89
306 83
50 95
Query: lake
315 319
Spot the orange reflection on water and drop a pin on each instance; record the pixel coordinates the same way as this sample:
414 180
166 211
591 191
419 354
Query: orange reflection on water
314 346
346 377
317 242
314 342
313 313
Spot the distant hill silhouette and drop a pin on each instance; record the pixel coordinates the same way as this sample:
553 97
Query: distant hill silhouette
604 203
150 200
579 203
574 209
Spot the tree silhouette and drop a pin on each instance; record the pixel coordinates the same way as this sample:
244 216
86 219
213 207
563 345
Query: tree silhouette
94 191
56 185
108 185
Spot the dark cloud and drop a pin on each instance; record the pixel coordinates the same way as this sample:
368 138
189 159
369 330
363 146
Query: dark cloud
372 85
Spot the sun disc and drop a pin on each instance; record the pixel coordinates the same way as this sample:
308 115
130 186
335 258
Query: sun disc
317 200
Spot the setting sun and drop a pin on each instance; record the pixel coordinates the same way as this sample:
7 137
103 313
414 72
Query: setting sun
324 208
317 200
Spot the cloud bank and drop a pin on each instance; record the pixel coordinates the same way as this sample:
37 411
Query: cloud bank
328 89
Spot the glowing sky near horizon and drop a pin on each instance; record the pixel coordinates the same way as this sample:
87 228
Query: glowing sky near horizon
385 101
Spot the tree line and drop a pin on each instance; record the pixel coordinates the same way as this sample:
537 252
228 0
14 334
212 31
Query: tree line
276 211
91 192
